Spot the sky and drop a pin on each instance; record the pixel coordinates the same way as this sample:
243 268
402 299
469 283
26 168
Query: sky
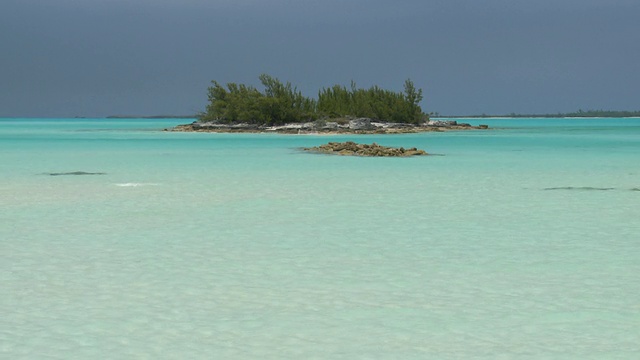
93 58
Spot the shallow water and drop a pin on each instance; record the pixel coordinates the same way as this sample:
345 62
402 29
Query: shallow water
519 242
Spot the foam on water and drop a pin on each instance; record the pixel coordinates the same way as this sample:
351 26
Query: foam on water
136 184
510 245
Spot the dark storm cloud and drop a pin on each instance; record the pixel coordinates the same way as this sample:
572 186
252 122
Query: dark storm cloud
93 58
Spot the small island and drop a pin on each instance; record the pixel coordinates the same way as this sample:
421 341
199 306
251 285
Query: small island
335 127
281 108
351 148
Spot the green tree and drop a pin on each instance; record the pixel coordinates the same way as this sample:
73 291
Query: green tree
413 98
281 103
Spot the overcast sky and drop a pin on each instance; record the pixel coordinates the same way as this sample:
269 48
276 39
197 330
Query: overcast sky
61 58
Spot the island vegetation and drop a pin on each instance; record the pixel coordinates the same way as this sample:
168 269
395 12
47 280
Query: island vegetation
282 108
282 103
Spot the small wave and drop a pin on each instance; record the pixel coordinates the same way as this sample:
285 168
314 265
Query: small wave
135 184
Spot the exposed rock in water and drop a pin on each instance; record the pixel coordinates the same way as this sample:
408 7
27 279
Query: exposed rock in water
583 188
351 148
587 188
75 173
324 126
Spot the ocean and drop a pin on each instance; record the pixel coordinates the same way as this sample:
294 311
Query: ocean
119 240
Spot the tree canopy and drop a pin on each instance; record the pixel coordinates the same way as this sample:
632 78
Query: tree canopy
281 103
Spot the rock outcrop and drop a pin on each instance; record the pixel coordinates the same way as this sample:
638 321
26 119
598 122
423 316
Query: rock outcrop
361 124
353 126
351 148
442 123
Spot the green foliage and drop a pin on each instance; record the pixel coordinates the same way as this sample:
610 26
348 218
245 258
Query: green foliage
375 103
282 103
413 97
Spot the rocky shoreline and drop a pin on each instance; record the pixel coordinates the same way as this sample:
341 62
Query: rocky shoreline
351 148
354 126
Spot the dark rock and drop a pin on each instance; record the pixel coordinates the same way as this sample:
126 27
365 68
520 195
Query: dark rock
581 188
350 148
76 173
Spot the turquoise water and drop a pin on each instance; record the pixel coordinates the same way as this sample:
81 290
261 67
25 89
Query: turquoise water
519 242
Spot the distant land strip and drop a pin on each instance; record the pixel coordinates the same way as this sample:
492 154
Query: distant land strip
577 114
152 117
